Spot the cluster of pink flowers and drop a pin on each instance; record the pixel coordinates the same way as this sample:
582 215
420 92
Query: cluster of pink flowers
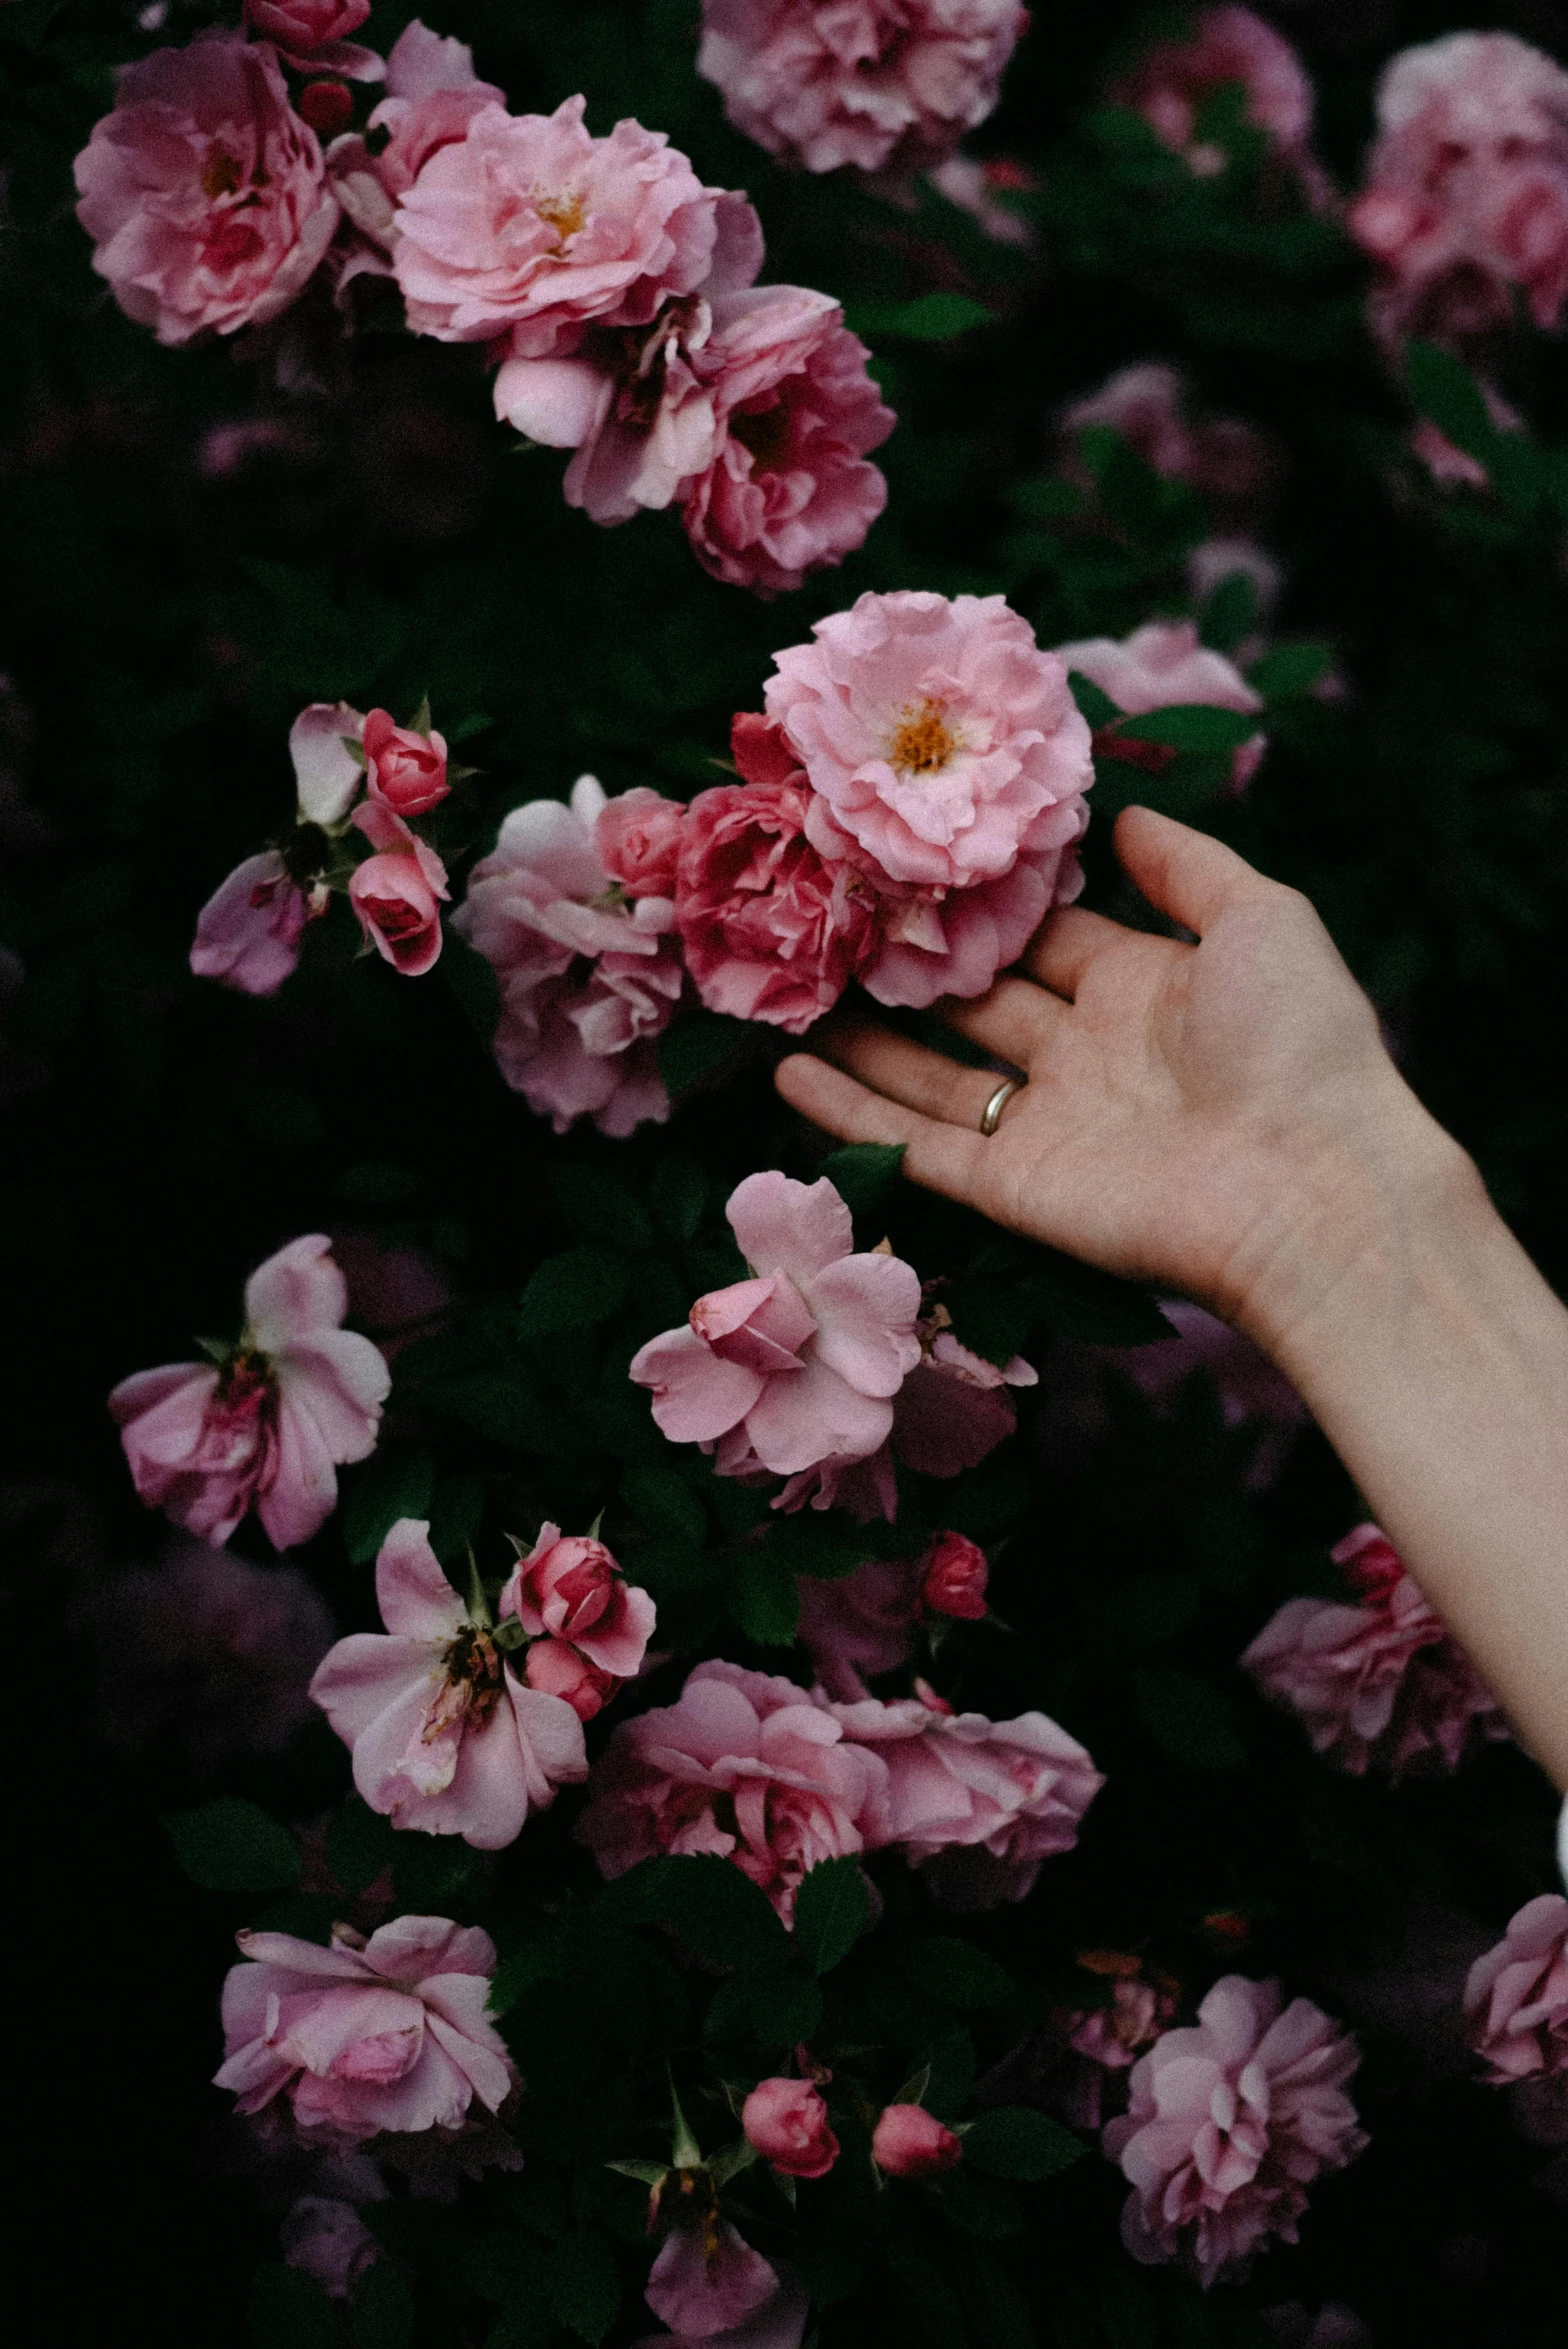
884 85
1228 2124
265 1426
820 1366
1378 1684
445 1737
249 932
776 1778
1466 194
1227 48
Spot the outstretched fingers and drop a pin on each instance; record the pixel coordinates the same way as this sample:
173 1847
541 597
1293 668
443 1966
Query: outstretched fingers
943 1157
1184 873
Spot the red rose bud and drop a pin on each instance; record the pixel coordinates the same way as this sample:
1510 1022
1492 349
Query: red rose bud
328 107
909 2142
405 771
786 2122
955 1577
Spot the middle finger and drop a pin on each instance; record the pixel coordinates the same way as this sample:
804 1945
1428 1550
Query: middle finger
906 1072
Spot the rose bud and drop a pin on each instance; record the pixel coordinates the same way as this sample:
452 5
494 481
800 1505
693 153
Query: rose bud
405 770
955 1577
639 837
909 2142
786 2122
328 107
558 1669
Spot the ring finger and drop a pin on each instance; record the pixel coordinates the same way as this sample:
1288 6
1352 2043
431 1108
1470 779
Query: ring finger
908 1073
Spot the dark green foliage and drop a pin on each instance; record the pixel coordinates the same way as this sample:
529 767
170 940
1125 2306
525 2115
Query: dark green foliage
233 1846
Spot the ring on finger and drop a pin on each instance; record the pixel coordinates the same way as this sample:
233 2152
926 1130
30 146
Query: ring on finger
991 1115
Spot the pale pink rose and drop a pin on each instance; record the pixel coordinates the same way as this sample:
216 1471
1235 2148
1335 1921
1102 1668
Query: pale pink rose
310 34
405 771
1229 2123
528 227
708 2281
744 1765
395 892
950 1413
444 1736
328 2241
787 2123
1159 667
799 1364
1381 1684
861 1625
433 93
588 979
569 1592
204 193
209 1651
364 2036
1017 1790
1228 461
297 1395
936 941
909 2142
1516 1998
779 2323
881 84
1227 46
638 836
936 734
249 931
954 1575
976 188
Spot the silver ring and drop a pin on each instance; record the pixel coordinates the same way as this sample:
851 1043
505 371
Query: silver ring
991 1115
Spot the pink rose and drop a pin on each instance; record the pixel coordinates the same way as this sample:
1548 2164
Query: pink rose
798 1364
909 2142
404 771
588 980
638 836
861 1625
433 93
204 193
572 1590
707 2281
936 734
1229 2123
1228 46
779 2322
955 1575
877 83
744 1765
248 933
1162 666
298 1394
1381 1684
395 892
529 228
1516 1998
310 34
444 1736
558 1669
389 2033
950 1413
787 2122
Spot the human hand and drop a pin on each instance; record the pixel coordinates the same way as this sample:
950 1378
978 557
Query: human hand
1221 1118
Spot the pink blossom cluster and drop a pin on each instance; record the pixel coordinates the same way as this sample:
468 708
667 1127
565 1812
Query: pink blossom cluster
1227 48
1379 1684
266 1424
776 1778
1466 193
819 1366
882 85
445 1736
249 932
1228 2124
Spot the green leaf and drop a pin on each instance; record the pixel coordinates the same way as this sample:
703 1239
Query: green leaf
1093 702
382 2314
659 1497
1443 389
865 1175
707 1901
930 318
520 1971
585 2284
830 1913
289 2310
954 1971
1192 726
1290 670
701 1043
575 1290
396 1482
1014 2142
1189 1717
600 1204
768 2010
234 1846
678 1193
1230 612
764 1599
360 1843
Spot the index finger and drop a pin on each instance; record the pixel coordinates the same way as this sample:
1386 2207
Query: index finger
942 1157
1184 873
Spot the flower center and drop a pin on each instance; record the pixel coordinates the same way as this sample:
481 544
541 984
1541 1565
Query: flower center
765 432
473 1670
221 175
565 214
922 742
394 917
246 1378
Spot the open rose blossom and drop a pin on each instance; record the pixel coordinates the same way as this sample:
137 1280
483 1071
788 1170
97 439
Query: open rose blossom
588 973
876 83
1516 1999
445 1737
389 2033
527 227
1163 666
204 193
707 2282
397 892
787 2123
433 93
264 1429
1229 2123
744 1765
573 1601
1381 1684
936 734
1227 47
311 35
909 2142
798 1364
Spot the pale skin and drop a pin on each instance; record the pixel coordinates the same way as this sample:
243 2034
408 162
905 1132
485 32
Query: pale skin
1222 1119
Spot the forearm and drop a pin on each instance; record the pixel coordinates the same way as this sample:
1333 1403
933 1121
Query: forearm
1435 1359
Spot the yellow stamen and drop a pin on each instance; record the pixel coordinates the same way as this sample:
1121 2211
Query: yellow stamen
922 742
565 214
